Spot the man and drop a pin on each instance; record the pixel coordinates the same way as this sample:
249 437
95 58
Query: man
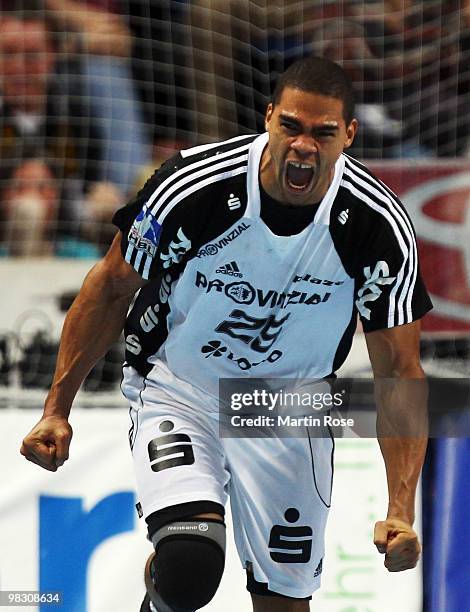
30 193
285 211
29 196
101 34
35 114
43 108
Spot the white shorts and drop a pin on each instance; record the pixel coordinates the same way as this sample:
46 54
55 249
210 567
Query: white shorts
279 488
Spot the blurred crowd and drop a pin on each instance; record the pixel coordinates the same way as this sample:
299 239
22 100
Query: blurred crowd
72 134
96 93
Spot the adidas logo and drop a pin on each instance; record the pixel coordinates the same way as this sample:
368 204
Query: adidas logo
233 202
231 269
343 216
319 569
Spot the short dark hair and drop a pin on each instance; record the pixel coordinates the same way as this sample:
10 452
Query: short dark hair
321 76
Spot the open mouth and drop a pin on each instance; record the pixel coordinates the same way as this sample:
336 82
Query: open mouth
299 176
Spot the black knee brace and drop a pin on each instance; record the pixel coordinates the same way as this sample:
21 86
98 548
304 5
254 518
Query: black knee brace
189 562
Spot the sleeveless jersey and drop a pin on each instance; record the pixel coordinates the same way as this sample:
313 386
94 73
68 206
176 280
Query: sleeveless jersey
228 298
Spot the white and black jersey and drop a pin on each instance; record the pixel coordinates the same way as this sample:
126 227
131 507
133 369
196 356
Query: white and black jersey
228 297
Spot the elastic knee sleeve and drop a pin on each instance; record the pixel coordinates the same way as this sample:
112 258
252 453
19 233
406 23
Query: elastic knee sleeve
189 562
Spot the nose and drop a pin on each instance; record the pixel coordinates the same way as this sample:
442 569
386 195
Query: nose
304 145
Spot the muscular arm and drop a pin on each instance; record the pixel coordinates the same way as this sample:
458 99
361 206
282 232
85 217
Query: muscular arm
401 396
93 323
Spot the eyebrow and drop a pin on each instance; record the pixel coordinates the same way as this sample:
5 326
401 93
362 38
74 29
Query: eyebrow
329 125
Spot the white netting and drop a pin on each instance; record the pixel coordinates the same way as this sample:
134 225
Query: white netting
125 76
217 62
138 79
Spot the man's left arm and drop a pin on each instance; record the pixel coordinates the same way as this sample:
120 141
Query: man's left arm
401 397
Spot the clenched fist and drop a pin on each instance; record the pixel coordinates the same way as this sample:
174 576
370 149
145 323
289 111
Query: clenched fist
399 542
47 444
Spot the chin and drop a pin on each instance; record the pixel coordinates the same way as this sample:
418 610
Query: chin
297 197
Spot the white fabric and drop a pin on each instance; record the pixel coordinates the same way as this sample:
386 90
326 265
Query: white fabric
198 307
264 478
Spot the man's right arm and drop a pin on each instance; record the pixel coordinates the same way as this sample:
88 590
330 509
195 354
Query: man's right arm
93 323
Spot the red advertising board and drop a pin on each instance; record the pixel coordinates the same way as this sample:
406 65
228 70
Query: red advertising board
437 197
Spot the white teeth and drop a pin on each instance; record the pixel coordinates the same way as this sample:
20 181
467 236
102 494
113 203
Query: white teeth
299 165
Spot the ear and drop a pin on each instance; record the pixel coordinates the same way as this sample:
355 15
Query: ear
350 133
267 118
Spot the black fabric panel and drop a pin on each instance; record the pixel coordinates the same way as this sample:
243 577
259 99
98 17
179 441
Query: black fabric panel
365 239
202 216
285 219
188 571
346 341
261 588
125 216
203 219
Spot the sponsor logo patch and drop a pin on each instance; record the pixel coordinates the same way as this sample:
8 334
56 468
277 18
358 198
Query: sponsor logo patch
176 249
371 290
244 293
214 247
308 278
230 269
343 216
145 233
318 571
233 202
291 544
215 348
170 450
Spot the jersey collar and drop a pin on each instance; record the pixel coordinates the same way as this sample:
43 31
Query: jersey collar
253 208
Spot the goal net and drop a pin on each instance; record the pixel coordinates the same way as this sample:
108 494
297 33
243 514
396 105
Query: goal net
100 97
183 73
215 63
